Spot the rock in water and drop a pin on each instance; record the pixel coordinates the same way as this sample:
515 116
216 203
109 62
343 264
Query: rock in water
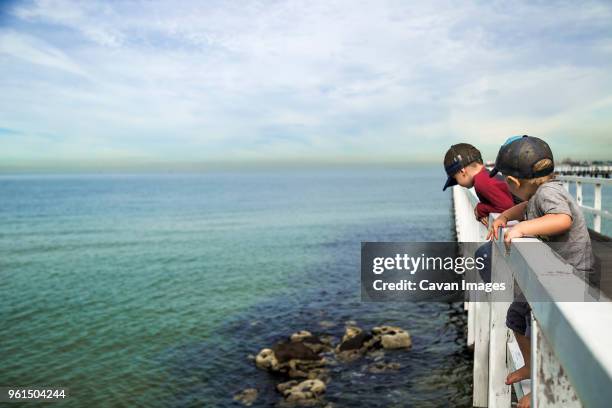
304 391
266 360
293 359
350 332
282 387
355 342
319 374
300 336
315 343
392 337
293 351
247 396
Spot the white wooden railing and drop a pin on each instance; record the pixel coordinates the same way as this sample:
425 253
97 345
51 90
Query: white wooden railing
571 357
596 210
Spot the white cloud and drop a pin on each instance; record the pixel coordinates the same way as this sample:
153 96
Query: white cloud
94 20
35 51
267 79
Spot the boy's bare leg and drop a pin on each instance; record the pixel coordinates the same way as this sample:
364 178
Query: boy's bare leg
524 402
525 371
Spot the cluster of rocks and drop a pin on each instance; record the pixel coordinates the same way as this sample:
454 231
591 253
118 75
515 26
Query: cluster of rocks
303 360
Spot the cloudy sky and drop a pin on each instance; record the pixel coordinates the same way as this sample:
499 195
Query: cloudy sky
165 81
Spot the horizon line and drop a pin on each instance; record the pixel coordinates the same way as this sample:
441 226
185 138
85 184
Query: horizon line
72 166
141 165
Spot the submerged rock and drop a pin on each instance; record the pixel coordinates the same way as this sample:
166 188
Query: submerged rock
382 367
326 324
327 340
348 355
377 355
247 396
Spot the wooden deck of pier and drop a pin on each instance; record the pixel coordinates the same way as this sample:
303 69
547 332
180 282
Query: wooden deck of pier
571 357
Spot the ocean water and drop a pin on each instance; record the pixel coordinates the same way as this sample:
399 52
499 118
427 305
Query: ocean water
153 289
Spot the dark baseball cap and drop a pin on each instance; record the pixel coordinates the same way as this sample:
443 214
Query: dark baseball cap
519 154
456 158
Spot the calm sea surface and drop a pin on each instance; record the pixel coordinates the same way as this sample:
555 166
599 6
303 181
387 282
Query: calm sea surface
153 289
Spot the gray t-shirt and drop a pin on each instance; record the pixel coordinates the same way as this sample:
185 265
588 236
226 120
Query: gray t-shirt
574 245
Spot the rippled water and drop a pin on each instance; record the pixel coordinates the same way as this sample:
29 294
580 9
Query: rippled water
152 290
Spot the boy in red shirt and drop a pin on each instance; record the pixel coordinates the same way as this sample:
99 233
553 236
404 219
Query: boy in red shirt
463 165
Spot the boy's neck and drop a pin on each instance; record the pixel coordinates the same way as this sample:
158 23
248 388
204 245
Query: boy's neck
532 189
475 169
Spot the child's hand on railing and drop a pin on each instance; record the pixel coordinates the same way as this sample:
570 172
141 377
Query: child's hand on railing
500 222
510 234
485 221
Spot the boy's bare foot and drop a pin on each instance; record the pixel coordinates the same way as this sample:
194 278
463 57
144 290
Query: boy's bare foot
524 402
519 375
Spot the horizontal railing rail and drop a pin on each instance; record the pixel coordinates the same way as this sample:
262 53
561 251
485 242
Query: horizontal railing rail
596 209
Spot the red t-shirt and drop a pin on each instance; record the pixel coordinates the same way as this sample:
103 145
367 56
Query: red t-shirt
493 194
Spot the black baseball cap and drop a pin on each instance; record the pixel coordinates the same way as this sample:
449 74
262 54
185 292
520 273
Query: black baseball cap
456 158
519 154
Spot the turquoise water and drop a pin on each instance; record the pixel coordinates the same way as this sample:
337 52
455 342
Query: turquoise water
152 289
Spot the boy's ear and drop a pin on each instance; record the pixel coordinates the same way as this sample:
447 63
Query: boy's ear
513 180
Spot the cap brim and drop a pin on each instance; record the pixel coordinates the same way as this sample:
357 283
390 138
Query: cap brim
493 172
450 181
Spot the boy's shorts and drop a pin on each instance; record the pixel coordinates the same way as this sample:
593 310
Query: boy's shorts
485 251
518 318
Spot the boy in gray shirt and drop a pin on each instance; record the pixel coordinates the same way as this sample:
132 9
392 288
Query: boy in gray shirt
574 244
548 212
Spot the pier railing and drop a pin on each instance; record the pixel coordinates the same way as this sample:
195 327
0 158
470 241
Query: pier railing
596 209
571 342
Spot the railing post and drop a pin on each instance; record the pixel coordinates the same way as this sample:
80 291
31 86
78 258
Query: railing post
597 207
535 332
579 192
471 310
550 387
499 392
481 352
